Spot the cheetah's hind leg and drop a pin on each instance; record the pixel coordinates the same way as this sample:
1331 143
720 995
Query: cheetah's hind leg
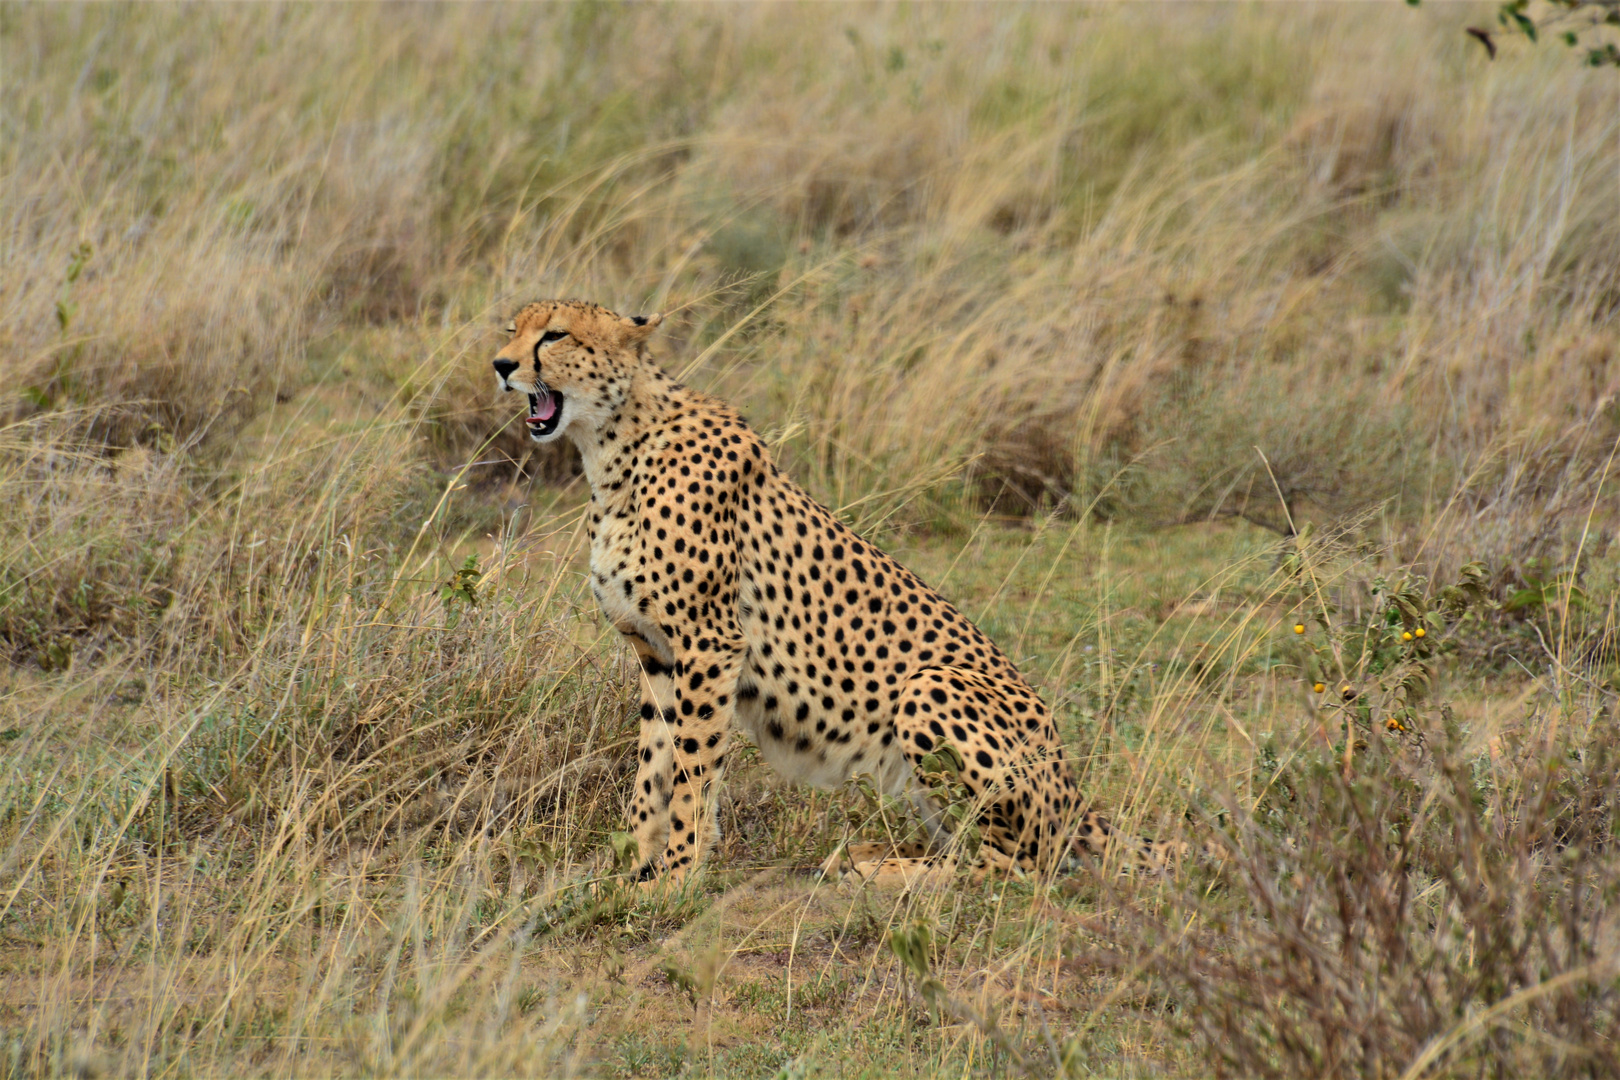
1007 768
848 857
888 866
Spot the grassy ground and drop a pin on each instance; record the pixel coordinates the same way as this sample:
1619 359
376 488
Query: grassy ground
1249 373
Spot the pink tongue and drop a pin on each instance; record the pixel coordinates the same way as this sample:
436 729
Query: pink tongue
547 407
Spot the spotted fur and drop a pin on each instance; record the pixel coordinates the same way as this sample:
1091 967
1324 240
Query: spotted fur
752 608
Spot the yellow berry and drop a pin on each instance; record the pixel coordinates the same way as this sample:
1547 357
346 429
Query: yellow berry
1299 628
1418 631
1406 635
1318 688
1394 724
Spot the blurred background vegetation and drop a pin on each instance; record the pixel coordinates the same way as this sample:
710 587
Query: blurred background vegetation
1114 320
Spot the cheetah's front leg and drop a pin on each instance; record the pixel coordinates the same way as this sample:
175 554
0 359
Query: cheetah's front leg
655 766
705 683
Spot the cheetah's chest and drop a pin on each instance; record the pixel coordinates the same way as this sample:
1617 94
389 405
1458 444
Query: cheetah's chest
804 735
624 600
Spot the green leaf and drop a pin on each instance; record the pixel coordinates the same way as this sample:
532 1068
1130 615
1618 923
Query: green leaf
910 946
464 584
81 256
625 849
1524 598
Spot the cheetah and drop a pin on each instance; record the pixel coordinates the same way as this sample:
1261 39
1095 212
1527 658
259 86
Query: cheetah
752 608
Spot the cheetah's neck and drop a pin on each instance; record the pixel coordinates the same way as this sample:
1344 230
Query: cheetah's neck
611 450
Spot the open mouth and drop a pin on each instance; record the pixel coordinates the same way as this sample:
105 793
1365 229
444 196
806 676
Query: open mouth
545 412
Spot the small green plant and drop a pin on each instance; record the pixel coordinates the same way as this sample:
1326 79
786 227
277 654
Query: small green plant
626 851
941 769
913 945
1542 589
60 381
66 309
1379 670
463 585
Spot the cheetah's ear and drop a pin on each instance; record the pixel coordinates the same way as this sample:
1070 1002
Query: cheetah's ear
639 327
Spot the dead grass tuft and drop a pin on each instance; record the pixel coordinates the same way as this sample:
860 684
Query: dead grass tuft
1422 914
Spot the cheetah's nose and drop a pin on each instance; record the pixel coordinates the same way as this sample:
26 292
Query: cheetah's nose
503 368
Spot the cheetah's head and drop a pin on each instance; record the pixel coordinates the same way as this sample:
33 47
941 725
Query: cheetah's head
575 361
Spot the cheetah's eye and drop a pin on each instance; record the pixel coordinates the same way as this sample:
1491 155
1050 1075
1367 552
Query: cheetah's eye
552 335
511 328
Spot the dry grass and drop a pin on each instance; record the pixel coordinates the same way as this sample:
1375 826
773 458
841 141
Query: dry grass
1080 308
